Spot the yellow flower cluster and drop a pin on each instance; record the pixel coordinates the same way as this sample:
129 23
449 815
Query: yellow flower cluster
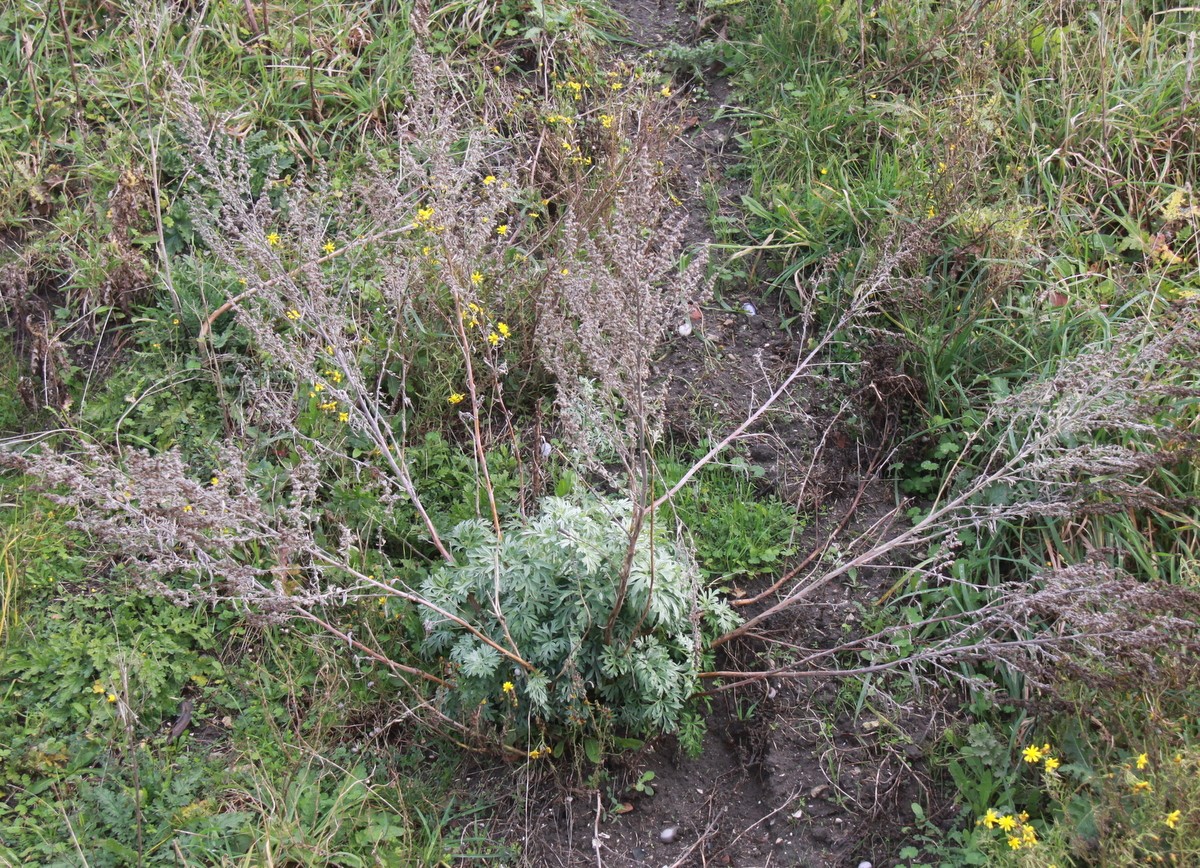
1018 831
1034 754
474 316
1016 827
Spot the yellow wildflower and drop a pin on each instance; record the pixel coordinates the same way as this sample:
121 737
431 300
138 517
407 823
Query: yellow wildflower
1052 763
990 819
273 239
456 397
606 121
424 215
1142 761
329 247
1033 754
343 416
476 278
493 339
489 180
1141 787
1015 843
1173 818
509 687
502 229
666 91
216 480
1028 835
293 314
97 687
564 271
1007 823
503 329
187 507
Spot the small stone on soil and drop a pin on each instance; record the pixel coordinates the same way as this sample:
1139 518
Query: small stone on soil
668 834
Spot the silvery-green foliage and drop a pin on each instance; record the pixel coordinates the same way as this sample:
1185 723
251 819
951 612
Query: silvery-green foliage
552 582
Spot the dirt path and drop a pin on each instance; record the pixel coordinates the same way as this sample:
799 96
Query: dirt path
787 777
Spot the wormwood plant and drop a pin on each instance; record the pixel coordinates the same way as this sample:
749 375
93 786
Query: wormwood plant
550 587
355 314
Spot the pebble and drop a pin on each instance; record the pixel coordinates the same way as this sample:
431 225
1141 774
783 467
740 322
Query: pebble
750 309
798 814
865 864
685 328
668 834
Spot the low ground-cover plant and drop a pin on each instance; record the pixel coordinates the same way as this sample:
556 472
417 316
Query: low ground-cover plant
735 530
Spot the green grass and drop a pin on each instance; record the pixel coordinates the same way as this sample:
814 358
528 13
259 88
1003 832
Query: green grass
91 683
